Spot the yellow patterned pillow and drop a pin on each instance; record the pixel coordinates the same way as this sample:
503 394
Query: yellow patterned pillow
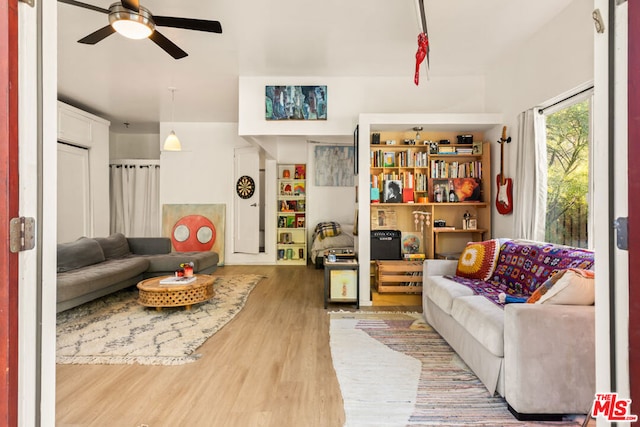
478 259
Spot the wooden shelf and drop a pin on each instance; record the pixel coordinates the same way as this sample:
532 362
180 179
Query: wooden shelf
437 169
459 230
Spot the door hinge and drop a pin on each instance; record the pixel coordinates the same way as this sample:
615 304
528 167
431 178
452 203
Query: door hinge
22 234
621 225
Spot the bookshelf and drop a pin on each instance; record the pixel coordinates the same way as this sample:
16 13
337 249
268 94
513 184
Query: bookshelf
291 215
447 183
483 127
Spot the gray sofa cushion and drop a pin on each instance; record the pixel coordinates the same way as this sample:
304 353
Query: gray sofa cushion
171 261
74 283
483 319
114 246
443 291
149 245
80 253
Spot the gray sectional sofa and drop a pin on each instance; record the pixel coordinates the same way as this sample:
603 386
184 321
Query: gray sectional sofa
89 268
539 356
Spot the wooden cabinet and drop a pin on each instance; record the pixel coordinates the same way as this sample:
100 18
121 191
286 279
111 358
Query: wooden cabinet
439 184
291 217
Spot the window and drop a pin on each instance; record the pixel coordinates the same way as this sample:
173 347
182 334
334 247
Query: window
568 140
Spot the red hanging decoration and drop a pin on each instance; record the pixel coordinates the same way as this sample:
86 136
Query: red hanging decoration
421 54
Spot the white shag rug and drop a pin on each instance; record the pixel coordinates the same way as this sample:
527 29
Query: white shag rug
115 329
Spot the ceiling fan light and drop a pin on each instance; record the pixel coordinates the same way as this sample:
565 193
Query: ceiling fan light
131 24
172 143
132 29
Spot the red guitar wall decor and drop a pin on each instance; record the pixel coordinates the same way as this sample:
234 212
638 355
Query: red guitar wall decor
504 199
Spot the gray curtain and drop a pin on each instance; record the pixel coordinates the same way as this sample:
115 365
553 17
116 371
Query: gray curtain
135 199
530 183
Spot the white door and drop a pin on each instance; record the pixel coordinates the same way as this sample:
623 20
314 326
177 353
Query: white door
247 201
74 214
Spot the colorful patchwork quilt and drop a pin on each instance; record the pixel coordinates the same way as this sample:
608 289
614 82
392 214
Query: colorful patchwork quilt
523 266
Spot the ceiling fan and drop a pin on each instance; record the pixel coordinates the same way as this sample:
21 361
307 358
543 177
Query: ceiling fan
131 20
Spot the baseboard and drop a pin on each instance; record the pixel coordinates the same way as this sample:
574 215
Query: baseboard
535 417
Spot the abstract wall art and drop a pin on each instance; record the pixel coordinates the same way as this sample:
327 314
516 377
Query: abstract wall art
195 228
296 103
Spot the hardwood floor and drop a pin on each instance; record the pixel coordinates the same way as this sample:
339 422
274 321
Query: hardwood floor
270 366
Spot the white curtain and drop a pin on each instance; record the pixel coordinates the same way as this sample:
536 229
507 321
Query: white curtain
530 183
135 198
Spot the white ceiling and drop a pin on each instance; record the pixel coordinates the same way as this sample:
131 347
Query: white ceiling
126 80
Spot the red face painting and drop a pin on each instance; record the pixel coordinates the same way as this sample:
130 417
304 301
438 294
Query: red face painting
193 233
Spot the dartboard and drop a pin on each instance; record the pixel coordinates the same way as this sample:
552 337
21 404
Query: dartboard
245 187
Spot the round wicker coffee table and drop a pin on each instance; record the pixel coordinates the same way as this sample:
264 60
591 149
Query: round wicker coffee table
152 293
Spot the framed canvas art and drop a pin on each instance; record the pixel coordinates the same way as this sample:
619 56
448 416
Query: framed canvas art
194 228
296 103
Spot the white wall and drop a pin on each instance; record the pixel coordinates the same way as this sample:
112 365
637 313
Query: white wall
202 173
133 146
349 96
327 203
555 60
323 203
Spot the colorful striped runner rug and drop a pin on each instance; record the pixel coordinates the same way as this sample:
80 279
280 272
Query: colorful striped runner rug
395 370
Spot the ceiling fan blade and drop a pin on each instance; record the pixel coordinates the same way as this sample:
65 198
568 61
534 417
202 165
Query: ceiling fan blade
98 35
84 5
168 46
131 5
188 24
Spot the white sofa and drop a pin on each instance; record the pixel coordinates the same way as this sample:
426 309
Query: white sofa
539 357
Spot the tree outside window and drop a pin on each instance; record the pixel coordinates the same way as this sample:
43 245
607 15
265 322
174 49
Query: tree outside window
568 175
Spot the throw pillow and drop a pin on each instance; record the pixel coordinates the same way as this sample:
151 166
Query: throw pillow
78 254
478 259
114 246
326 229
567 287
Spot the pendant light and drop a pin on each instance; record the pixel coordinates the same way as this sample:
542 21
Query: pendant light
417 130
172 143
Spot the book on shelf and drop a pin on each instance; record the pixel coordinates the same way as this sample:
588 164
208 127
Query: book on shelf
299 189
407 195
300 172
446 149
175 280
414 257
389 160
392 191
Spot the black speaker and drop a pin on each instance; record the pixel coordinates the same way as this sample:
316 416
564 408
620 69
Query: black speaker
385 245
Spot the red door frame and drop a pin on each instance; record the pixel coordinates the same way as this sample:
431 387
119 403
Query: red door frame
8 210
634 199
